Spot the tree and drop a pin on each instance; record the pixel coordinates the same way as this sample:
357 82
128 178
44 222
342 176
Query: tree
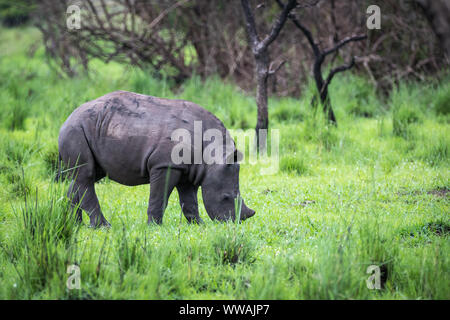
178 38
14 13
260 50
437 13
319 58
133 32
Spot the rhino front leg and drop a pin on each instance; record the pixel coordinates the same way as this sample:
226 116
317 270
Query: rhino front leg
162 182
188 201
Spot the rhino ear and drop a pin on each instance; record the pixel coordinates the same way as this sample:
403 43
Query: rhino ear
235 157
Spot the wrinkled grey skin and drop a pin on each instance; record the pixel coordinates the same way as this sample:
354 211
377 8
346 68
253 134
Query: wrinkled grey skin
127 136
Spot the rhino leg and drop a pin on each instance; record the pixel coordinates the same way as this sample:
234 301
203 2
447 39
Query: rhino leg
82 193
76 154
188 201
75 200
162 182
89 203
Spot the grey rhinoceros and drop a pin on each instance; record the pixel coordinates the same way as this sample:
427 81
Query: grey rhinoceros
128 137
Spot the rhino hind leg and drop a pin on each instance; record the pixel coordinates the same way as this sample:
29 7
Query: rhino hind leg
83 195
162 183
72 194
90 204
84 174
188 201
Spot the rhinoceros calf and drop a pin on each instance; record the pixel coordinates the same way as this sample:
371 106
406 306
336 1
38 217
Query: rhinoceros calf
128 137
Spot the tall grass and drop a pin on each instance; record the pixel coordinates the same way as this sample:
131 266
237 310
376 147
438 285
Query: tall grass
43 242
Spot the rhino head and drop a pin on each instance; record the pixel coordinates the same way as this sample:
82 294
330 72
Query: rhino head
220 189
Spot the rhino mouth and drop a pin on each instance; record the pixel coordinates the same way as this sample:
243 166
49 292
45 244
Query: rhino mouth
248 214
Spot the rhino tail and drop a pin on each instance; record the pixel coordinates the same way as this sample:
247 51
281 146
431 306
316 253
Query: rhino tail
59 173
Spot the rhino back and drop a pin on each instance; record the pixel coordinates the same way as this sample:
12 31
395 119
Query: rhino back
128 133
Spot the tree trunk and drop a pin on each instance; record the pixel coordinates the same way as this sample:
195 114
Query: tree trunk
262 74
322 89
327 108
261 55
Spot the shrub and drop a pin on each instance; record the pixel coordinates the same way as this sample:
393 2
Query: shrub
357 96
442 102
402 118
294 164
51 158
18 153
15 115
287 110
16 99
13 13
427 230
408 106
19 184
44 241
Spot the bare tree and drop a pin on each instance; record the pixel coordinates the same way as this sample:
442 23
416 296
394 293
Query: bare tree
62 52
319 58
127 31
260 50
177 38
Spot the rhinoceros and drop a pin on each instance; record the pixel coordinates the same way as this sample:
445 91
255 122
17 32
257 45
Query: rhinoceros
129 138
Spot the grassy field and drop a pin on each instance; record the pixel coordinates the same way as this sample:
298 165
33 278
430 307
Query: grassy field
374 191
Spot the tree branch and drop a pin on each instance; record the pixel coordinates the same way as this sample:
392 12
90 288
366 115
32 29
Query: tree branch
337 70
343 42
165 12
273 71
250 24
278 25
305 30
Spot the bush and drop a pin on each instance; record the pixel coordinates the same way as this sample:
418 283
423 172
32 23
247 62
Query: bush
16 99
18 153
408 105
14 115
355 96
442 102
18 183
287 110
294 164
44 241
51 158
13 13
402 117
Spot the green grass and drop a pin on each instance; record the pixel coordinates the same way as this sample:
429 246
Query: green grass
373 191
